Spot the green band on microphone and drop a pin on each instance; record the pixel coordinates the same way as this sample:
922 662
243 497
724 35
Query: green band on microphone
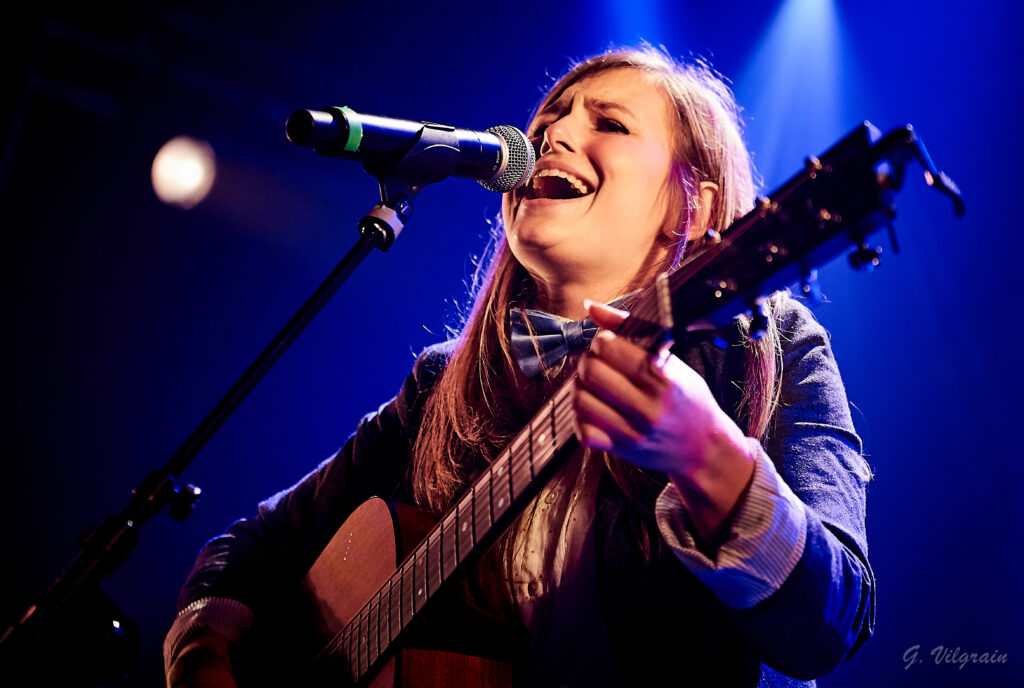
355 129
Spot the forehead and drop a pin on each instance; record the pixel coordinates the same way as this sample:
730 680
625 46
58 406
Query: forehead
632 91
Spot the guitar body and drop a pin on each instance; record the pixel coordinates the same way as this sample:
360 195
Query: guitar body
357 562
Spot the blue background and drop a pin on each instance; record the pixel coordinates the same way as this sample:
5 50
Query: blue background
126 320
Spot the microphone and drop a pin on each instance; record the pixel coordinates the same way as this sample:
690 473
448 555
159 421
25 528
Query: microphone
501 158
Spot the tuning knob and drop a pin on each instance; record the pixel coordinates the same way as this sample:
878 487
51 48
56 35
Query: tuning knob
866 258
183 500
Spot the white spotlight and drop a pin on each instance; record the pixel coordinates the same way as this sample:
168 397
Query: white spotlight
183 171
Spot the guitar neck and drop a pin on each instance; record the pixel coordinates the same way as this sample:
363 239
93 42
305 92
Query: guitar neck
483 512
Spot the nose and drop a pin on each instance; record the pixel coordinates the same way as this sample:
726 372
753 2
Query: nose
562 134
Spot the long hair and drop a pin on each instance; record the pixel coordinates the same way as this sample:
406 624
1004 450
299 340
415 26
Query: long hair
481 399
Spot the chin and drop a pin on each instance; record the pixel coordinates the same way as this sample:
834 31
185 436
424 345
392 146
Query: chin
534 236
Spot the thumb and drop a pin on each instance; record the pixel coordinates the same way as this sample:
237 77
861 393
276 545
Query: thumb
604 316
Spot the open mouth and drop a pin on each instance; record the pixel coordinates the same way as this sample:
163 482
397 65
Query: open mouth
557 184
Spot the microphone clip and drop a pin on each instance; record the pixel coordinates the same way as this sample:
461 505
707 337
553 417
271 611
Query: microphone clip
432 157
402 177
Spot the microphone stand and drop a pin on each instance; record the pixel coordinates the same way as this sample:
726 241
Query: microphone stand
76 631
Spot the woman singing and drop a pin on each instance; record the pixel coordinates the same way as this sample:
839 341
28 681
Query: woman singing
708 530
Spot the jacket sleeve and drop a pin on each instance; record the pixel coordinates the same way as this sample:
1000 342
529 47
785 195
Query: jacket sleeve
824 611
794 575
256 558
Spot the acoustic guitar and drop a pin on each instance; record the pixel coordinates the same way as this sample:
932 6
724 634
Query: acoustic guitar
378 576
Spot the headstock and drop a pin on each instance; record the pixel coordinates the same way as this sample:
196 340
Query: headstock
836 202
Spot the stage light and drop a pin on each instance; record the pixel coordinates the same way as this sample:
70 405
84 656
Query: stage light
794 87
627 21
183 171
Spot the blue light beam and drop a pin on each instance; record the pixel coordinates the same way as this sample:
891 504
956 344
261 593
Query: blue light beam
792 88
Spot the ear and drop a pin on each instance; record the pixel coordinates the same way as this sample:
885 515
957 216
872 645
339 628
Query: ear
707 194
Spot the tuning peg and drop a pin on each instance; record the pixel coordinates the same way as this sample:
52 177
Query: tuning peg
758 320
183 500
810 287
866 258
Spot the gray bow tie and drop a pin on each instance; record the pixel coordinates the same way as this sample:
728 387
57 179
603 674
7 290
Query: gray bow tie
553 339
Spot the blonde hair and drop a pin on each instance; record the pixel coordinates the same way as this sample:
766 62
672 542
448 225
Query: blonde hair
481 399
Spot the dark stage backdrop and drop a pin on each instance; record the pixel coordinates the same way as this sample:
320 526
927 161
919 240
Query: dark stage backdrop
126 319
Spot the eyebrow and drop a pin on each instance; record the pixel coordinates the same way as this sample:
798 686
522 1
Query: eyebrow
560 106
605 105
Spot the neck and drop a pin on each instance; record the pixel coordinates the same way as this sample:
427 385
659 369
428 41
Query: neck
563 295
567 299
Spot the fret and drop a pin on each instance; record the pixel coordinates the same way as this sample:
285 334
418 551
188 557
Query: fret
501 487
529 435
419 576
467 535
499 492
516 448
351 659
406 609
565 421
354 646
449 545
508 477
394 608
372 633
483 509
521 464
364 653
414 584
554 428
522 474
382 622
539 439
434 555
493 513
380 611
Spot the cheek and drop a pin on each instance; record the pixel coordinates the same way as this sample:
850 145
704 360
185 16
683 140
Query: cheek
659 179
645 189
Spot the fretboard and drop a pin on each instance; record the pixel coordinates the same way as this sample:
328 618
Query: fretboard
483 512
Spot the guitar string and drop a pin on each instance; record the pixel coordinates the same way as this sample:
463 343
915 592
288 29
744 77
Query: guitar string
515 459
559 408
363 646
562 411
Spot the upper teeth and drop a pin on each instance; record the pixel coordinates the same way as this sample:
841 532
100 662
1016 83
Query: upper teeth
577 183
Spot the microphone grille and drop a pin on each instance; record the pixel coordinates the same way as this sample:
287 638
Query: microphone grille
521 160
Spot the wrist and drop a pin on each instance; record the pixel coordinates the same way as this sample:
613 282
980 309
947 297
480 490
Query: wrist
713 482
